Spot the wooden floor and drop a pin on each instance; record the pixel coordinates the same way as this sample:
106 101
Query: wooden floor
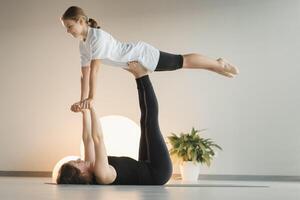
13 188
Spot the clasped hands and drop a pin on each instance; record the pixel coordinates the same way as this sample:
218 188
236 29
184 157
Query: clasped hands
82 105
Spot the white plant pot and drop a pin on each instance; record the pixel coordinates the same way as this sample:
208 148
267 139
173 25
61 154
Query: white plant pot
189 171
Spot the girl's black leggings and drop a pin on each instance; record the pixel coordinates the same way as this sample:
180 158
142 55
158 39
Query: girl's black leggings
152 149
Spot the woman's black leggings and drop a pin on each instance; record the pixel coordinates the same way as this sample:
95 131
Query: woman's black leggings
152 149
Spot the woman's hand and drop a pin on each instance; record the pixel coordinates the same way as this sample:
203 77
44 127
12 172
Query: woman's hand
76 107
87 103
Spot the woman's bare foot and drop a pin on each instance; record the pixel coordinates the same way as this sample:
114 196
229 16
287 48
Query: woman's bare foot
226 68
136 69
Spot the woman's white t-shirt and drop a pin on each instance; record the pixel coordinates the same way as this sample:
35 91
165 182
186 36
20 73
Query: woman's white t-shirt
101 45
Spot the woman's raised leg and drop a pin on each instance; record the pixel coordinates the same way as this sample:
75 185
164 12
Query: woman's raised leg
159 158
143 146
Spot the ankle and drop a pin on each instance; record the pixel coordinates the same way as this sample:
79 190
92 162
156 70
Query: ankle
140 75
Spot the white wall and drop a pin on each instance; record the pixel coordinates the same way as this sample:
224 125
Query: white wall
253 117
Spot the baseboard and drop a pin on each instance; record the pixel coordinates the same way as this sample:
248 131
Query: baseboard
25 174
216 177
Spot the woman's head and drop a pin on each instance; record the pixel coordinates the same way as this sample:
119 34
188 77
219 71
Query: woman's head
76 21
75 172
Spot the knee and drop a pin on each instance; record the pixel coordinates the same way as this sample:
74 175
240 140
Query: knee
186 60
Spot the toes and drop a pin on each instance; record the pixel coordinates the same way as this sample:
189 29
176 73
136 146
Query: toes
227 74
231 69
236 70
228 67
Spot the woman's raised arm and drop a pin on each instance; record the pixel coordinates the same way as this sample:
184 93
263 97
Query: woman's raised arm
104 173
89 151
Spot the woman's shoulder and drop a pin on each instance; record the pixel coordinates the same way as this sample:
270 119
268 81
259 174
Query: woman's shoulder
110 179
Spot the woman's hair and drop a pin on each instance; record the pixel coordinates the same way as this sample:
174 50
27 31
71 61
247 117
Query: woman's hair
74 13
68 174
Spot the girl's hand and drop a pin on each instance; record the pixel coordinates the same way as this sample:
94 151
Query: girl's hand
87 103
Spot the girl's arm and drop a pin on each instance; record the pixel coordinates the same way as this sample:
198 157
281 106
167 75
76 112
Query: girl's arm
89 152
88 83
95 64
92 82
85 76
84 83
104 173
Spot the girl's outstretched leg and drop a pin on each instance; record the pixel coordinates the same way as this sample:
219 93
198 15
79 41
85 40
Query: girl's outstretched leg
220 66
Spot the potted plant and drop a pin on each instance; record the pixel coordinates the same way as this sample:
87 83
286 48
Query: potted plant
191 150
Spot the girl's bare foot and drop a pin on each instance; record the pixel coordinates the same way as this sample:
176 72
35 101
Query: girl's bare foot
226 68
136 69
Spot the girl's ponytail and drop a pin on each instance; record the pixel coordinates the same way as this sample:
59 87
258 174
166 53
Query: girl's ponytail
92 23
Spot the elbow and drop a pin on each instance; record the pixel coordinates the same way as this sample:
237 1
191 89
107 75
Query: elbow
96 138
94 70
87 139
95 66
93 73
85 72
105 177
106 180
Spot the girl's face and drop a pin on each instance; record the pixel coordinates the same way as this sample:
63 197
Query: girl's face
73 27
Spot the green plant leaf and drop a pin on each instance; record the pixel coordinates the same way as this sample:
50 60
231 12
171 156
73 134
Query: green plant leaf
191 147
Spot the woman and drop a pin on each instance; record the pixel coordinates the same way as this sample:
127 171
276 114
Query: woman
97 46
153 166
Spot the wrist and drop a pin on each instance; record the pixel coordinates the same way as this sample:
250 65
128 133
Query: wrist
84 111
92 108
83 98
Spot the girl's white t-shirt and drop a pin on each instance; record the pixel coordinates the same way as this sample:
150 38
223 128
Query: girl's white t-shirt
101 45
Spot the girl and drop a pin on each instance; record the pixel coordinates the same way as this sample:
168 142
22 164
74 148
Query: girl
97 46
154 165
